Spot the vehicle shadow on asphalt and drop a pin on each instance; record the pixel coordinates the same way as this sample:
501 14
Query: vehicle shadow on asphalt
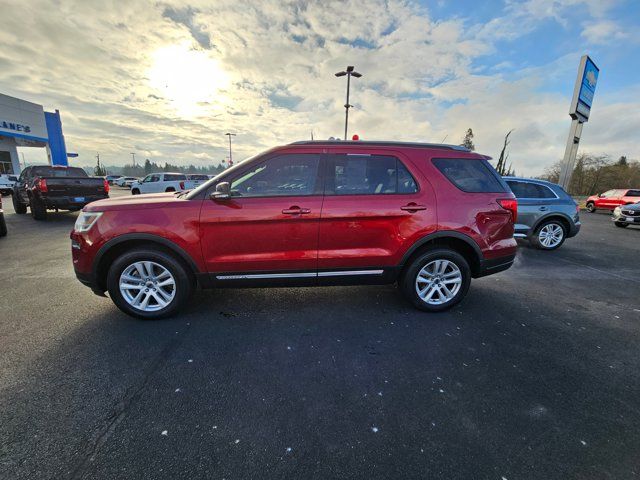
246 373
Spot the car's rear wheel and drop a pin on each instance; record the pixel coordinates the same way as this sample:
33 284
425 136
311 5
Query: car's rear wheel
38 209
135 191
149 283
591 207
19 207
621 224
549 235
436 280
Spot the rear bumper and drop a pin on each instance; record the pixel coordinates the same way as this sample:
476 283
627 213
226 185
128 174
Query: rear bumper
70 203
494 265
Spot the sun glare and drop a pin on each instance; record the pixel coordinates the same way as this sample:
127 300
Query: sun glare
189 79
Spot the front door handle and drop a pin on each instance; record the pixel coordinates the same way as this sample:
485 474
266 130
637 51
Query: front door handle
543 209
296 211
413 207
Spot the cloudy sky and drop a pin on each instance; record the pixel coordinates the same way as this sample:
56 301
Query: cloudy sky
167 79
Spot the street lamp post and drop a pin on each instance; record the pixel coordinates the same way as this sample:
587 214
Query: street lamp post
349 73
230 157
133 157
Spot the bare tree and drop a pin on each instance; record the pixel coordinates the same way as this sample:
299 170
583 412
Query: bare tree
501 167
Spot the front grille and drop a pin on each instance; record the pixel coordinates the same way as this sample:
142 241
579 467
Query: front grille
631 213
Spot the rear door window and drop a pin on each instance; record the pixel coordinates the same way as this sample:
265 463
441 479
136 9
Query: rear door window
367 175
529 190
471 175
171 177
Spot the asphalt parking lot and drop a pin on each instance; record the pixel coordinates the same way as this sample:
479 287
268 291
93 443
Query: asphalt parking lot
536 375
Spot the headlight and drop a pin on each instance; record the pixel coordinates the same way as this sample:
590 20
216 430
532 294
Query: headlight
86 220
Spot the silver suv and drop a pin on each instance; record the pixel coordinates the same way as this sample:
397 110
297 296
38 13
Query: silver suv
547 215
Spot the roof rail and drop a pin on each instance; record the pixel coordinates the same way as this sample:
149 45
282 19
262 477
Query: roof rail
445 146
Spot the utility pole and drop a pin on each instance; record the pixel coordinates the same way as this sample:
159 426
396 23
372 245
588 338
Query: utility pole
133 156
230 156
579 112
349 73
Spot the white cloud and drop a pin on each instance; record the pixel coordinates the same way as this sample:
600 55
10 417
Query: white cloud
96 63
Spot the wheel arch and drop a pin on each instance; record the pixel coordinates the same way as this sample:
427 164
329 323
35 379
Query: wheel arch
116 246
459 242
561 217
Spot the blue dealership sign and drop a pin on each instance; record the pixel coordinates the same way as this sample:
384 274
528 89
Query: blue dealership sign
585 89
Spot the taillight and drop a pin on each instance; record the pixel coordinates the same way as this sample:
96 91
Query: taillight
181 185
510 204
106 185
41 185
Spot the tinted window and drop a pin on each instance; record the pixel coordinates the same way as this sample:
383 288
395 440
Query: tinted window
293 174
172 177
630 193
368 175
198 177
529 190
59 172
470 175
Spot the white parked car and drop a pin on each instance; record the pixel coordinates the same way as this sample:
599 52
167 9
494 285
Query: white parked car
162 182
126 181
6 183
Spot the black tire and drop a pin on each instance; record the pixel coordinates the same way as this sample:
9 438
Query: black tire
135 191
537 242
408 285
591 208
621 224
170 189
38 210
18 206
183 281
3 226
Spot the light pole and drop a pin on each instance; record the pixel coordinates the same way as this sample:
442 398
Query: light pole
133 156
349 73
230 157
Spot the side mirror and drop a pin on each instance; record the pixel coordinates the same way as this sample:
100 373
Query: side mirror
600 195
223 190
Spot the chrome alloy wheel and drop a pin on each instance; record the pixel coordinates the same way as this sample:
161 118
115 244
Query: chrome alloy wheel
147 286
551 235
438 282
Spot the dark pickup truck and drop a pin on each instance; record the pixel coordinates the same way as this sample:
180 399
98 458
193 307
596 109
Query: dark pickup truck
43 187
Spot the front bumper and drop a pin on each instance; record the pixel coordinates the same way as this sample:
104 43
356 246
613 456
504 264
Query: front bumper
620 217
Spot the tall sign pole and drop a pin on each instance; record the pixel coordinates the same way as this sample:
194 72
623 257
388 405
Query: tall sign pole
583 92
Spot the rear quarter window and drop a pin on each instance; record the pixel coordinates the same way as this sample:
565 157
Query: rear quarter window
471 175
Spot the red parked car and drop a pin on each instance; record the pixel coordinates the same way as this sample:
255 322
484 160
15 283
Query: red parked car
611 199
430 217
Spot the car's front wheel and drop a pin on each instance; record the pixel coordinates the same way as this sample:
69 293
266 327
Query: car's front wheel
148 283
591 207
19 207
436 280
621 224
549 235
135 191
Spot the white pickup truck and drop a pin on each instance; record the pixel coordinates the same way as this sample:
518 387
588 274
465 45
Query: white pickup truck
6 183
162 182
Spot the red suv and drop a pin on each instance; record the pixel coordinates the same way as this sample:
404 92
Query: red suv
430 217
611 199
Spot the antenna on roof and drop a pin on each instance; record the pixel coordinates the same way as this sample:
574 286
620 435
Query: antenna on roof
312 135
445 137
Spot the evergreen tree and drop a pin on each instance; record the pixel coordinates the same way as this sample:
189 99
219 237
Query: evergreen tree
468 140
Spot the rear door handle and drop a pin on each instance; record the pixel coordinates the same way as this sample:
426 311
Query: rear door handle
296 211
413 207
